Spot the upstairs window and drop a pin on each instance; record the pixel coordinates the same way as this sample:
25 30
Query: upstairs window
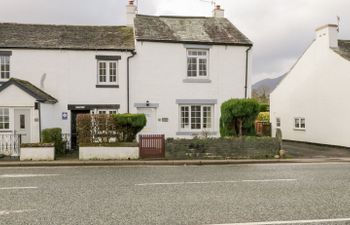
299 123
197 63
4 119
107 72
4 67
278 122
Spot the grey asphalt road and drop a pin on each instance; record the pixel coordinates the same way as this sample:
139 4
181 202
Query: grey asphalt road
232 194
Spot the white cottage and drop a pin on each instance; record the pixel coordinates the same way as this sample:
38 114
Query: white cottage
176 70
311 103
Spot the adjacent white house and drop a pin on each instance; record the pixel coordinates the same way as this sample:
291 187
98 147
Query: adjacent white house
176 70
311 104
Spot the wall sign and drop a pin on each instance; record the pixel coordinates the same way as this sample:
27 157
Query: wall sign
64 116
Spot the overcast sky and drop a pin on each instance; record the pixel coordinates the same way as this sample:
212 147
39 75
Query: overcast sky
280 29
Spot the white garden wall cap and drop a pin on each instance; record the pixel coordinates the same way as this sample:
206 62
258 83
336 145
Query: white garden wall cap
40 36
180 29
30 89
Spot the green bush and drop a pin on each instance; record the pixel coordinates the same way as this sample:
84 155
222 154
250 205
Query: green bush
238 117
264 117
128 125
264 107
53 135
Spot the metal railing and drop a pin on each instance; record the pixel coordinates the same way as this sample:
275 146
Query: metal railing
10 144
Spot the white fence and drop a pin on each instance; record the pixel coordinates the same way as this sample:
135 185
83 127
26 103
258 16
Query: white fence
10 145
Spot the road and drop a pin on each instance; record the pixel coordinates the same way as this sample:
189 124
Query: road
231 194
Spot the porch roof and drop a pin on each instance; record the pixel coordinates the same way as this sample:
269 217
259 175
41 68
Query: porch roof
30 89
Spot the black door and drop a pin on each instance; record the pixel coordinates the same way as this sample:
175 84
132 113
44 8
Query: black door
74 137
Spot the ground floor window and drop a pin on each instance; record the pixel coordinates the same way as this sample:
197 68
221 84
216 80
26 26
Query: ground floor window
104 111
196 117
299 123
4 119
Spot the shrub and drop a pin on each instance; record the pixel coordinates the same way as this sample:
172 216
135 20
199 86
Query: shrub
128 125
53 135
102 129
264 117
238 117
264 107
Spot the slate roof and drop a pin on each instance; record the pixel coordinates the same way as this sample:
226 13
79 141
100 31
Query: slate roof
29 88
34 36
206 30
344 49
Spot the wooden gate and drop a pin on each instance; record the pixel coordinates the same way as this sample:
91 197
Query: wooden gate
152 146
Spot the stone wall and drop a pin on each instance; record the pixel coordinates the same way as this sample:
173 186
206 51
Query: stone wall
230 148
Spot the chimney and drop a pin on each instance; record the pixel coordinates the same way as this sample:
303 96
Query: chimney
131 10
328 34
218 12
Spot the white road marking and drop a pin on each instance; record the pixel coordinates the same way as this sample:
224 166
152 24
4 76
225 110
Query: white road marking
17 188
291 222
27 175
5 212
216 182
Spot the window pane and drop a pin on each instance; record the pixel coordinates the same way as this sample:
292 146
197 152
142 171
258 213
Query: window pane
4 67
302 123
202 67
195 117
185 117
296 124
102 72
191 67
207 115
113 72
22 121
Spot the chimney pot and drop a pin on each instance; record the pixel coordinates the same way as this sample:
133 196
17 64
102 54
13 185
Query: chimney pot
131 2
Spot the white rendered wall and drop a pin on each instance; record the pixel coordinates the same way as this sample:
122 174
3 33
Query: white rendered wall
317 88
158 71
71 77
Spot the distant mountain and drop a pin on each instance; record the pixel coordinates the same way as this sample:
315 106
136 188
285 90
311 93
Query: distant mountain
267 85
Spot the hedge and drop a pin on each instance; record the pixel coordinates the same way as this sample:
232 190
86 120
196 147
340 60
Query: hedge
53 135
104 129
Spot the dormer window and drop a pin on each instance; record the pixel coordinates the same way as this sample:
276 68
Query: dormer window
5 66
197 63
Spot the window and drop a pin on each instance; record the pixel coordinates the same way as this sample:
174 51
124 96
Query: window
22 121
197 63
278 122
299 123
196 117
104 111
4 119
107 72
4 67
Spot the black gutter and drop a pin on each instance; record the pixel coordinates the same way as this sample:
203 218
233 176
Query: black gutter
246 72
196 42
128 80
39 109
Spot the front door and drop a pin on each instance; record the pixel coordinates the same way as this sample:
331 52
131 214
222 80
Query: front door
22 124
151 116
74 133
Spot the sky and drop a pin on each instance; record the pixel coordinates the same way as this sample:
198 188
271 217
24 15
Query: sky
281 30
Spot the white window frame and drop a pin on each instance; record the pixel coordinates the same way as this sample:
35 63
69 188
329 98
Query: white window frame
298 123
278 122
2 120
189 125
197 59
3 60
109 80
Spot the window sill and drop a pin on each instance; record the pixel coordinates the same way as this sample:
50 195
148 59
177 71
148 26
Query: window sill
194 133
107 86
197 80
299 129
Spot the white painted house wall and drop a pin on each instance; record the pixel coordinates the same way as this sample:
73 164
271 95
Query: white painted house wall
158 72
317 88
71 78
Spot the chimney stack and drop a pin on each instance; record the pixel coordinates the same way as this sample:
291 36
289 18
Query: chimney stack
131 10
328 34
218 12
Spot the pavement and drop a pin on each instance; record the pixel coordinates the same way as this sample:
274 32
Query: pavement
294 193
76 162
